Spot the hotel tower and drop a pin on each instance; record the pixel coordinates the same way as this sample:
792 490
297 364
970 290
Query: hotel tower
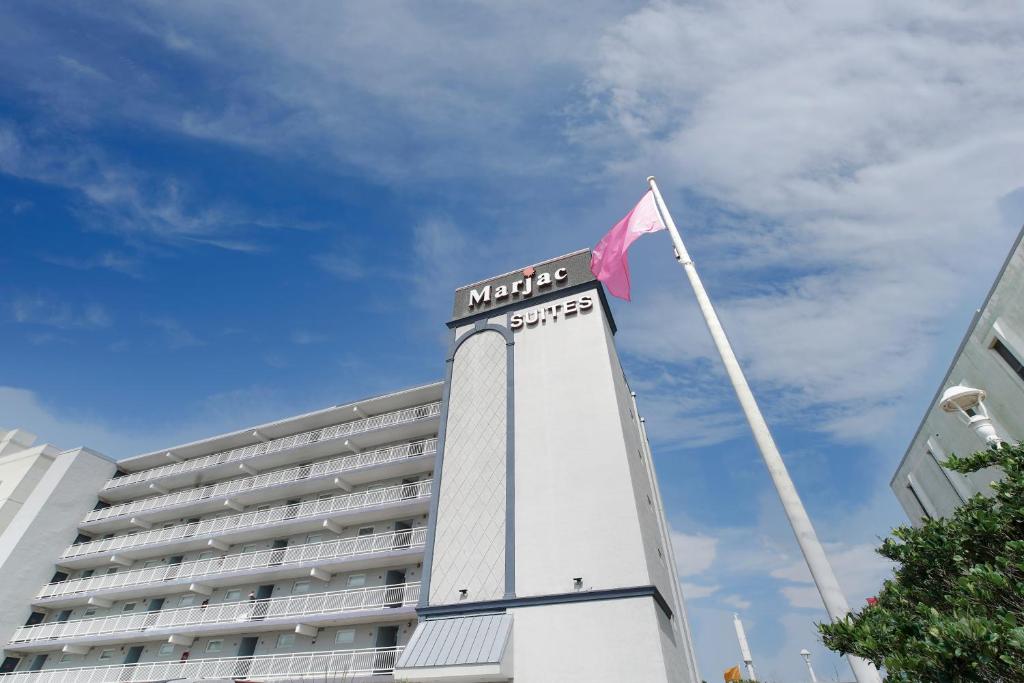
503 524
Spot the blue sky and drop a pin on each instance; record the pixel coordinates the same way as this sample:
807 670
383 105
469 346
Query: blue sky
216 214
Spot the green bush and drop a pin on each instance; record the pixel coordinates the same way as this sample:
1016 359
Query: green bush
954 610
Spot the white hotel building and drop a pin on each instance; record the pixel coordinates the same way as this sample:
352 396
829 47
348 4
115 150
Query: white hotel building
989 365
504 524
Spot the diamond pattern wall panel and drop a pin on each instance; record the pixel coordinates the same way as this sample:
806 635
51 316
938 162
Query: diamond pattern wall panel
469 542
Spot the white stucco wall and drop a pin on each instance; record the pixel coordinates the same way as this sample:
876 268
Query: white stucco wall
611 641
21 469
43 527
576 509
977 365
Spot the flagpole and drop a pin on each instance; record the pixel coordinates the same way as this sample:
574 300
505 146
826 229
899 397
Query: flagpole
814 553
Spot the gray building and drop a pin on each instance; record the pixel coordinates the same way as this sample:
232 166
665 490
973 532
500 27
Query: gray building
502 524
979 401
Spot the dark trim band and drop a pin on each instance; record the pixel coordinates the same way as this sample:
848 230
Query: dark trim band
556 599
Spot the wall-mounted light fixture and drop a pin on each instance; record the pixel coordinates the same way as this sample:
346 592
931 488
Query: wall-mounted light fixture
969 405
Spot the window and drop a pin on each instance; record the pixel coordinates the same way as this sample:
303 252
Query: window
205 555
357 580
215 646
106 655
151 563
1007 355
187 601
91 612
86 573
233 595
300 587
345 636
128 607
248 547
365 530
66 658
314 538
167 649
286 640
112 570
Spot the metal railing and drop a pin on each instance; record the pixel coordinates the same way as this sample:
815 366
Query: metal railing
257 559
335 664
270 479
282 514
234 613
294 441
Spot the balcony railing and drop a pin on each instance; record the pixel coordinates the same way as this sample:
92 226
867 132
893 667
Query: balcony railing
258 559
347 665
226 489
220 526
338 431
236 614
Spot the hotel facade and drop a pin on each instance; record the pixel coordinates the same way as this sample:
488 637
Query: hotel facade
503 524
986 377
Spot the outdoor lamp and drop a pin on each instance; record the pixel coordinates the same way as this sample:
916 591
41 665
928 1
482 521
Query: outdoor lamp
969 404
807 659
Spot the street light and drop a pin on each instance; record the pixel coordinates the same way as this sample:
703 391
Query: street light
968 404
807 658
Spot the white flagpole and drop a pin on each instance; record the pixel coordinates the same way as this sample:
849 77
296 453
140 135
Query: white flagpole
814 554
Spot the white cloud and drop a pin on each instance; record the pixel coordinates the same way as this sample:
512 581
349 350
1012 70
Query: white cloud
117 197
695 591
695 553
859 569
858 157
39 309
110 260
21 408
737 601
305 337
175 334
342 266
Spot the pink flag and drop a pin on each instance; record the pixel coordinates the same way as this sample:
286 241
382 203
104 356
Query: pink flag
609 263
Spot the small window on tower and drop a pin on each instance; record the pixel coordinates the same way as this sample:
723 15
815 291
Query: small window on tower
1008 356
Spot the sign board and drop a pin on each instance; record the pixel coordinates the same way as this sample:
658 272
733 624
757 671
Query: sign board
522 285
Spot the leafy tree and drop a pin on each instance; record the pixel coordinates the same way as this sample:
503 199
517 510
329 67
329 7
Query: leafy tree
954 610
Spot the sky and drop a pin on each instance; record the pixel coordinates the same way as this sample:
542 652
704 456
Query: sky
218 214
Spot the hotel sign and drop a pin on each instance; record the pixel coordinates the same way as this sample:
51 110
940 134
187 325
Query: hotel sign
522 285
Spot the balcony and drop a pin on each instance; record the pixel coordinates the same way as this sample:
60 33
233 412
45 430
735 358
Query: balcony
348 665
381 463
314 610
221 532
409 423
319 560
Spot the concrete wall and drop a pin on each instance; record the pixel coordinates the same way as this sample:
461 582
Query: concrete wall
610 641
43 527
577 512
921 485
22 466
